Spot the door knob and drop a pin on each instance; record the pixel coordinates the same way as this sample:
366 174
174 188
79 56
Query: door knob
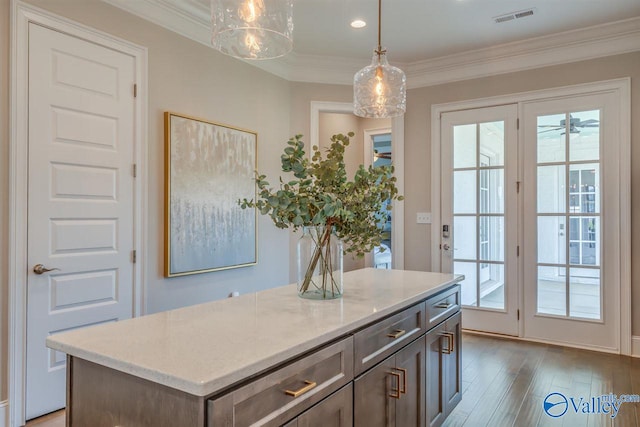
446 247
40 269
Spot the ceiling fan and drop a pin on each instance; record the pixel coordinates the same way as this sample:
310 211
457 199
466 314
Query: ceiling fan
378 155
574 124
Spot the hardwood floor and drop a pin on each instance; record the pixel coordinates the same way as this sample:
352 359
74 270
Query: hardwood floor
504 383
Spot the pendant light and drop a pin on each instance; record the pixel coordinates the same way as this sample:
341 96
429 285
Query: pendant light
252 29
379 89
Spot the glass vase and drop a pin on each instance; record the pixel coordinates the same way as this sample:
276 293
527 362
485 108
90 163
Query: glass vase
319 264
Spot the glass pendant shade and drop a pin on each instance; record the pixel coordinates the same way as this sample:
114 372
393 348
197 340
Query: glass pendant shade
252 29
379 89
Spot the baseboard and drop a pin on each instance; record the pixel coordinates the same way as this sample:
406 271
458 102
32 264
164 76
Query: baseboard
635 346
4 413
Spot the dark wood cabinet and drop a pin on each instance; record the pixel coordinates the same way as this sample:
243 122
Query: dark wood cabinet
334 411
443 365
392 393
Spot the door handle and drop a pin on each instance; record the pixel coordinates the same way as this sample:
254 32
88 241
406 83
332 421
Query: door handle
397 333
40 269
403 389
446 247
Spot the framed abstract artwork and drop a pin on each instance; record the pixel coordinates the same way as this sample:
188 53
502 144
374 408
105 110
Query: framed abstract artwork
208 167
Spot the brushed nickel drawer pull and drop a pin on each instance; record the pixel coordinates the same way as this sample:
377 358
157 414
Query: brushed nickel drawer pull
397 333
395 393
309 385
444 304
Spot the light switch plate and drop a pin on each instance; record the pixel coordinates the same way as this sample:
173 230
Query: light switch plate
423 218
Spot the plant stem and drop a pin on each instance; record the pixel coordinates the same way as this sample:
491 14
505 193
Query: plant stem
326 265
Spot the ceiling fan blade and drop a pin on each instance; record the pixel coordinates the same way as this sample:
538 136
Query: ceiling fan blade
591 123
551 130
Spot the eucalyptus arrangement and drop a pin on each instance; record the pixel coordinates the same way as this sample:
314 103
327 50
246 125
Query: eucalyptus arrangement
320 196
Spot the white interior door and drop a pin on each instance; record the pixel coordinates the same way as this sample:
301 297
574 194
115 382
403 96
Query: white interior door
572 221
479 211
80 214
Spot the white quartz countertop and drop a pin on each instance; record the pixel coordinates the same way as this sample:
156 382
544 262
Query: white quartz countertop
205 348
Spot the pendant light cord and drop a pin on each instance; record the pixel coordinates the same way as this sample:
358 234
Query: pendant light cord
379 51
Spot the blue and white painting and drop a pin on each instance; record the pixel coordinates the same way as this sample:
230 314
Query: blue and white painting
211 167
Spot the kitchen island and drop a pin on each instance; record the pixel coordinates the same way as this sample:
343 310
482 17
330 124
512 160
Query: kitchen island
271 358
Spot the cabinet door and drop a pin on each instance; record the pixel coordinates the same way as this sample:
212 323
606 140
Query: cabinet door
335 411
410 408
435 404
452 365
373 404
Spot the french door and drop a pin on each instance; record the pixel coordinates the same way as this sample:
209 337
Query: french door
479 214
532 217
572 221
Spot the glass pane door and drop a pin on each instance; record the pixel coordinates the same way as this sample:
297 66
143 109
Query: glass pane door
479 151
567 148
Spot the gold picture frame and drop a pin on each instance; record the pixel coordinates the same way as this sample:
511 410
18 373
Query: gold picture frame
208 167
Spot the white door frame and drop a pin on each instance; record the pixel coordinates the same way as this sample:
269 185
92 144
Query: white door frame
622 88
368 135
397 144
21 16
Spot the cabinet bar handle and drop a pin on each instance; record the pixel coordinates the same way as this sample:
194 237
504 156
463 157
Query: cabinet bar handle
444 304
403 390
395 393
397 333
309 385
450 340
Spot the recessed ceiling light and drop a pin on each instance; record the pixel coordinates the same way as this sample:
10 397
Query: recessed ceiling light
358 23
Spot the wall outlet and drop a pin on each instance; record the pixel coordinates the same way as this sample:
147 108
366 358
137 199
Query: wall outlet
423 218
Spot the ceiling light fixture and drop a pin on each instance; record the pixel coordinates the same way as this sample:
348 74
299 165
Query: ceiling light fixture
379 89
358 23
252 29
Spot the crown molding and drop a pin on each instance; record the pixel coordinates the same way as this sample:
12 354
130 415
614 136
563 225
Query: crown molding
188 18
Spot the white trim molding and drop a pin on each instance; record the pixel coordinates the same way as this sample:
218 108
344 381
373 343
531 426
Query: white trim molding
190 18
397 142
635 346
4 413
21 16
623 89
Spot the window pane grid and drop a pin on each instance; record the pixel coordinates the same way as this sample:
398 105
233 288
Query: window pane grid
570 287
478 213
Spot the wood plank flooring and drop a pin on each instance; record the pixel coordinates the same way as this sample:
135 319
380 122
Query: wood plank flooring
504 383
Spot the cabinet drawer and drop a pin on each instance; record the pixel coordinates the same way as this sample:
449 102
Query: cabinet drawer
442 305
381 339
286 392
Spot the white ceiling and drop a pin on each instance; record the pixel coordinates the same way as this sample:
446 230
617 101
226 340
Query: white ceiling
427 36
415 30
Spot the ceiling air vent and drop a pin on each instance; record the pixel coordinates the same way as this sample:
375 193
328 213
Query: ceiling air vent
513 15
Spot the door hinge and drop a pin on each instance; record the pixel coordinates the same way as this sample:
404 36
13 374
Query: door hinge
134 256
135 90
517 250
135 170
518 313
518 187
518 123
